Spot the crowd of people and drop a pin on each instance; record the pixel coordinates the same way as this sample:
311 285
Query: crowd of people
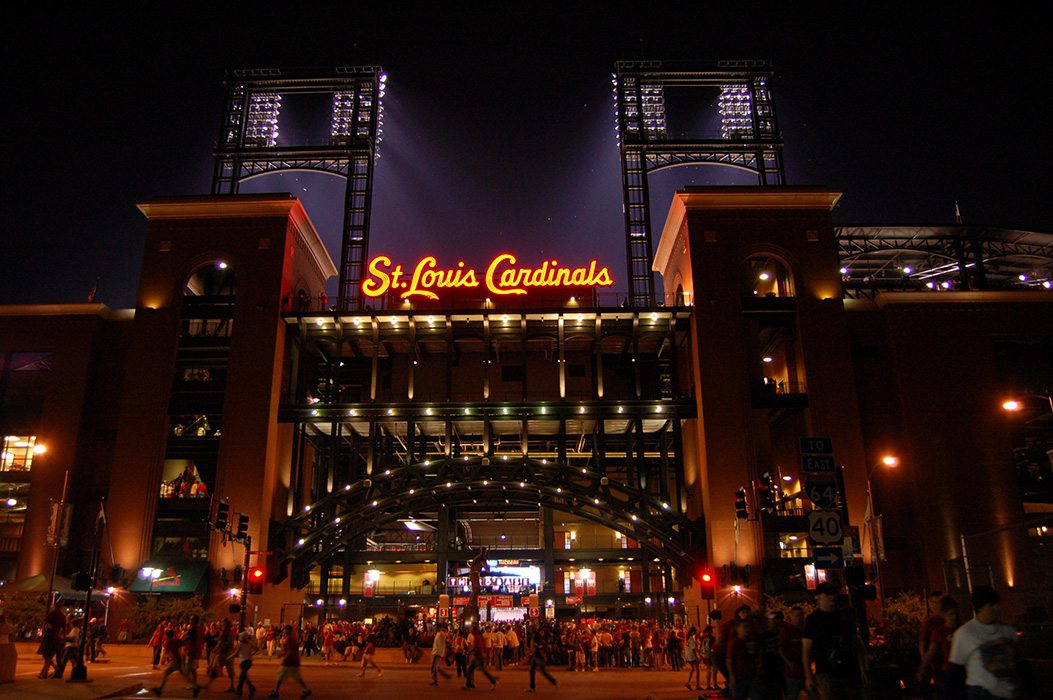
754 655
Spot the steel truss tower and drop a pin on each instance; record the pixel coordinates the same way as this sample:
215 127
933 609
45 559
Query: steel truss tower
251 143
748 138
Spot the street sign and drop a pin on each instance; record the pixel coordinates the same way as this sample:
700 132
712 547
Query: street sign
817 445
824 527
817 464
821 492
828 558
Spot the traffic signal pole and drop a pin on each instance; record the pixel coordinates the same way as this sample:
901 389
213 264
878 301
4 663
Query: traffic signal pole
245 582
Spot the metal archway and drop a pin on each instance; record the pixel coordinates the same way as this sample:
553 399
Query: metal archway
351 513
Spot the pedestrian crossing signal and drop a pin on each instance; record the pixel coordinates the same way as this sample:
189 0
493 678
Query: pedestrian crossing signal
741 509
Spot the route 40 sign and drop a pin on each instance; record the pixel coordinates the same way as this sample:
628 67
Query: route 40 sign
824 527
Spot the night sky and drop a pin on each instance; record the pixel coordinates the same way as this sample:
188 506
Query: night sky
499 125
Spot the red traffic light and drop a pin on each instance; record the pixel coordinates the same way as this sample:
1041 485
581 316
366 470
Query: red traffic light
257 575
708 587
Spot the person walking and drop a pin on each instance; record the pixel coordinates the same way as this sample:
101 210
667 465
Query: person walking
246 648
478 647
53 640
744 663
832 642
936 652
178 651
368 657
790 650
537 659
438 655
290 664
692 654
989 653
156 643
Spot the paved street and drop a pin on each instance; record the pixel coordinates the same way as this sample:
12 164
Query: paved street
127 666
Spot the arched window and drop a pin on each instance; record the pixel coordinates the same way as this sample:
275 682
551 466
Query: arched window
679 295
213 279
208 300
767 276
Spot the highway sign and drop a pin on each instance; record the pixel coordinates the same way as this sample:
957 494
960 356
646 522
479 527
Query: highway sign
817 445
828 558
818 464
824 527
821 492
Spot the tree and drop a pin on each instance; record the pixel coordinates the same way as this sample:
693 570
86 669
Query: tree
148 613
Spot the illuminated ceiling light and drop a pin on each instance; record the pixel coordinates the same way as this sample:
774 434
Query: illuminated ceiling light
908 270
764 277
300 541
352 412
449 484
486 482
787 478
357 321
347 487
503 537
221 265
1023 278
665 506
930 285
320 322
946 285
383 77
336 521
654 315
844 270
314 413
505 318
596 501
581 317
391 411
12 502
768 358
307 509
634 518
374 503
1047 284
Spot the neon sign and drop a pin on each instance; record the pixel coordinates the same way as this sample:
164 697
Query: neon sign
501 277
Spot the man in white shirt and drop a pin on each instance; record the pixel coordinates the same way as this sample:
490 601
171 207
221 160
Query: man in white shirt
987 650
499 648
438 654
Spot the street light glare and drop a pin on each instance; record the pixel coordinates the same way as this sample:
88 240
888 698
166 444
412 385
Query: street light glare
889 461
1012 405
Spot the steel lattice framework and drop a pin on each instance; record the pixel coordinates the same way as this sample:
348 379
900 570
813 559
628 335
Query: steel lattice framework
348 515
251 144
959 257
748 139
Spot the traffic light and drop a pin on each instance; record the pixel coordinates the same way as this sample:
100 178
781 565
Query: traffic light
741 509
242 530
254 583
222 521
708 587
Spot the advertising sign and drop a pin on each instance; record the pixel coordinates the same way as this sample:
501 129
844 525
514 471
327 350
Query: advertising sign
503 276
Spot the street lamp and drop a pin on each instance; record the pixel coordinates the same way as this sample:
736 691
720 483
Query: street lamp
890 461
1015 404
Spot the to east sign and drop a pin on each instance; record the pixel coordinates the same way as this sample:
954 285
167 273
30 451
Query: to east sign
817 464
817 445
824 527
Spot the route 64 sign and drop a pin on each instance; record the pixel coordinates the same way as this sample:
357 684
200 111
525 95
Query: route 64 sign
821 492
824 527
